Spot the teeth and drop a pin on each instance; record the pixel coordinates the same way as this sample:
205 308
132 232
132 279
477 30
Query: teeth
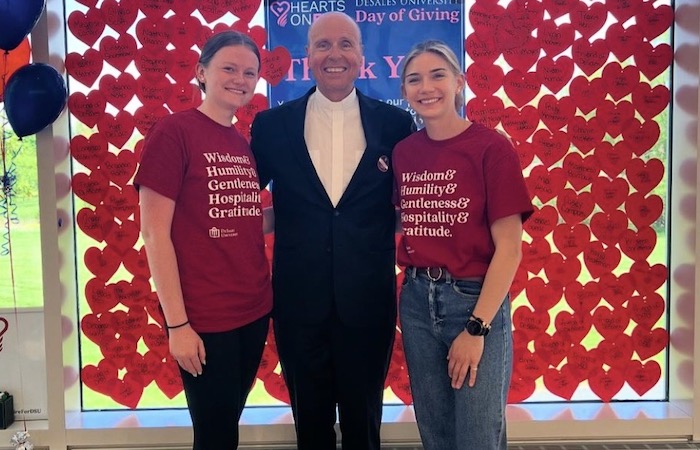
236 91
335 69
428 101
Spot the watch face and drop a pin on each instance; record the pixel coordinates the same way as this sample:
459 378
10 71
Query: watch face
474 328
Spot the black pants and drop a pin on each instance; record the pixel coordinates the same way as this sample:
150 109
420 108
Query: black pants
332 364
216 398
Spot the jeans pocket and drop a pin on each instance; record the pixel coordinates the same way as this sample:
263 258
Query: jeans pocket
468 289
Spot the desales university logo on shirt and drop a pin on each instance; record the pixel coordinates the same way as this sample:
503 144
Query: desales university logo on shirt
234 190
426 207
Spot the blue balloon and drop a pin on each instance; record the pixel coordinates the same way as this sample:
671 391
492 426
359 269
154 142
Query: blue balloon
17 20
35 95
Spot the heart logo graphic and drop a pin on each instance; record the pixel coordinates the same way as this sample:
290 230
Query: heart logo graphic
281 11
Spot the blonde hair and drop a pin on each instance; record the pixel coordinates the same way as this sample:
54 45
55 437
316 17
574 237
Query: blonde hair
440 49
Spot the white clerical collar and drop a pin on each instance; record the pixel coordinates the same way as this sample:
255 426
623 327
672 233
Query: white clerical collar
324 103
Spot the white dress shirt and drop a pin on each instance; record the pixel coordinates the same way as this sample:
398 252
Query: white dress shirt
335 139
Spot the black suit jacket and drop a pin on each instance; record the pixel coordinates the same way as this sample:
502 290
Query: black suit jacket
326 255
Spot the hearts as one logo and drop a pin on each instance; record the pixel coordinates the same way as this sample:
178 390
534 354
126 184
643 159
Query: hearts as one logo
281 10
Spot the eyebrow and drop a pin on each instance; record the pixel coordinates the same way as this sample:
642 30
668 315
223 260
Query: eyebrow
439 69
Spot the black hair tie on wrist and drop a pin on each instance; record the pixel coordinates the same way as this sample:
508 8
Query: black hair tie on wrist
177 326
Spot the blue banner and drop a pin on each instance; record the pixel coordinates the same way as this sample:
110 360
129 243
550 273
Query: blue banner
389 29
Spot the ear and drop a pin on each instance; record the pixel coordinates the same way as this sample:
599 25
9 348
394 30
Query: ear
199 73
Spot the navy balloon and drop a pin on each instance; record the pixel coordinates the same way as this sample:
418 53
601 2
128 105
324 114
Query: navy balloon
17 20
35 95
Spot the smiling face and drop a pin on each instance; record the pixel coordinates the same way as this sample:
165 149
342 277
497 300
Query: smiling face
431 86
230 78
335 54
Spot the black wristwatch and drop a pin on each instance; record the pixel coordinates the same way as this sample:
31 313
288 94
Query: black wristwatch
477 327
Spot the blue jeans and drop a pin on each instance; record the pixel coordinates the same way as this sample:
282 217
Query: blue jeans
432 315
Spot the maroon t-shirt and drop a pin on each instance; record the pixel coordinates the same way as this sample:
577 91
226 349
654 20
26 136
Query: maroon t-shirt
450 192
209 170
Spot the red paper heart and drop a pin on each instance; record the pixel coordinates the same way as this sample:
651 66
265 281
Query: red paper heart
562 383
91 188
213 10
146 116
611 323
520 87
257 33
583 362
184 96
275 64
543 296
155 339
638 245
131 322
613 117
608 227
122 236
119 15
535 253
582 298
585 135
588 19
573 207
154 64
648 279
590 57
527 364
555 74
571 240
486 111
182 29
248 112
85 68
102 263
486 17
642 377
117 130
136 262
128 391
556 113
98 328
613 160
95 224
147 366
580 172
647 342
645 176
526 153
87 27
153 92
620 82
155 8
609 194
153 308
653 61
482 51
100 378
243 128
643 211
118 91
555 39
153 33
623 9
169 380
521 388
587 95
274 385
183 65
542 222
522 53
650 102
616 352
520 124
120 52
90 152
552 349
600 260
518 284
653 21
574 326
606 384
531 323
545 184
99 297
623 42
88 109
646 310
616 290
132 294
400 386
561 270
120 168
558 8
